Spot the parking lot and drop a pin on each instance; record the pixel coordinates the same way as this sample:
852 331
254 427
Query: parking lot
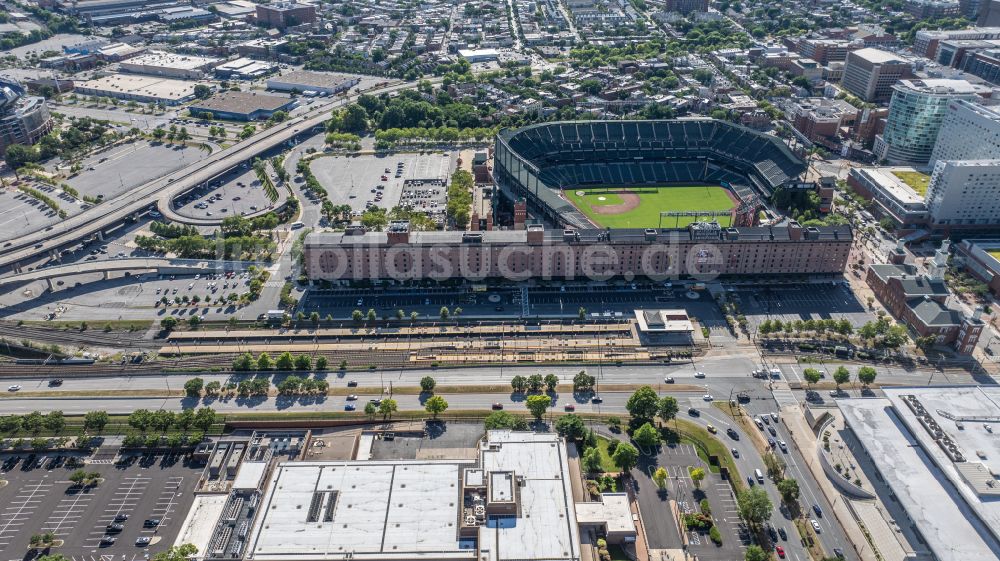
20 213
120 169
235 194
42 499
802 302
357 181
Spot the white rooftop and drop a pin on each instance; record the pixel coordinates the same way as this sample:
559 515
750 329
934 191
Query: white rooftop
955 522
547 527
383 510
895 186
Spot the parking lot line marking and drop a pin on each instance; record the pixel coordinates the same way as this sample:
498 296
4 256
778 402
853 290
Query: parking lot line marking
17 515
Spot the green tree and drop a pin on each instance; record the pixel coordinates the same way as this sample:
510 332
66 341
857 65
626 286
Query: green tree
643 404
264 361
54 421
755 553
204 418
387 408
811 375
591 460
244 362
841 376
504 420
168 323
571 426
177 553
625 456
667 408
697 476
427 384
370 410
284 361
583 382
789 489
537 404
754 506
551 381
193 387
646 436
95 420
303 362
322 363
444 312
660 477
866 375
32 422
435 405
535 382
17 155
518 383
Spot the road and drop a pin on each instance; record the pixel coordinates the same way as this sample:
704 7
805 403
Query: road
162 190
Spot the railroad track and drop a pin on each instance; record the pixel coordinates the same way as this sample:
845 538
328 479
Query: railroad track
114 339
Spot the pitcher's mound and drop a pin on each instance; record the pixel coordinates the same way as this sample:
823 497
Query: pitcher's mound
630 201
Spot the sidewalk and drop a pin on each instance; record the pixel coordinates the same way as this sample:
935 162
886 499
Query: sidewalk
806 441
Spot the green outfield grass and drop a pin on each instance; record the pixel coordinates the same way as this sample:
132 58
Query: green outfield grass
653 200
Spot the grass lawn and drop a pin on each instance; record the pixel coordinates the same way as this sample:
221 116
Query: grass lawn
916 180
653 201
606 464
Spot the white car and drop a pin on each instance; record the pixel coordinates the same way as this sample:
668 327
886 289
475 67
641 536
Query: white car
13 388
815 525
352 397
708 397
699 374
774 416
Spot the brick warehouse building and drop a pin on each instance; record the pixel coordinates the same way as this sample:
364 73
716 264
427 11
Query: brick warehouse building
703 250
919 300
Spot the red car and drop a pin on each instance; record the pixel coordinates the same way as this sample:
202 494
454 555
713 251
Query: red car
570 407
780 551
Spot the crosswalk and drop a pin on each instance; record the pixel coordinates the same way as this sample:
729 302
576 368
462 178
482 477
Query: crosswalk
783 394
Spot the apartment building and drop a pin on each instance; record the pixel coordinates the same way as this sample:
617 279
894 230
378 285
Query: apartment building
870 74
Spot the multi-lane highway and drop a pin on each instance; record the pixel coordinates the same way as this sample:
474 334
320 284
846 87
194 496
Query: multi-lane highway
160 192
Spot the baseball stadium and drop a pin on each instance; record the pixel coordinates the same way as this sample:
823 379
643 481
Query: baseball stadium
643 174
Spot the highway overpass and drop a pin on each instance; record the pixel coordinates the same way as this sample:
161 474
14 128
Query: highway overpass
110 214
132 265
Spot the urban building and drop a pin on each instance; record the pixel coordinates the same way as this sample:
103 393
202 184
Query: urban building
916 111
479 55
935 450
261 49
919 300
989 13
285 14
242 106
245 69
686 6
701 250
117 52
894 199
825 51
981 259
822 120
964 195
302 81
870 74
23 119
926 41
932 9
983 63
170 65
143 89
969 9
511 500
969 131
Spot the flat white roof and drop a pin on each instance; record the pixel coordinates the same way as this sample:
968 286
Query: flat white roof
612 511
923 484
250 476
171 60
199 525
382 510
547 527
162 88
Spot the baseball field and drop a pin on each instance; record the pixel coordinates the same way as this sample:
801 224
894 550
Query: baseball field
640 207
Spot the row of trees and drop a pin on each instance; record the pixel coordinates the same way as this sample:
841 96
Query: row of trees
145 420
841 376
819 326
285 361
34 422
